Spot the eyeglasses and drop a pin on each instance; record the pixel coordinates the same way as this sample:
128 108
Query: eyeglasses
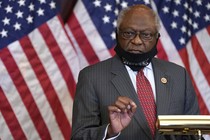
144 35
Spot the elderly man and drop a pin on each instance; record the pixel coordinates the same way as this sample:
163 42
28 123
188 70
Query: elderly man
121 97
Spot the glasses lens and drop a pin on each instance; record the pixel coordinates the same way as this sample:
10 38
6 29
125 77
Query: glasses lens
128 34
145 36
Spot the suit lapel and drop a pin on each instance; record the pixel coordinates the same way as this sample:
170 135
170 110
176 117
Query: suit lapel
125 87
163 87
122 81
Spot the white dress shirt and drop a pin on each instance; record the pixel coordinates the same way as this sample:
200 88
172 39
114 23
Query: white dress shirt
148 72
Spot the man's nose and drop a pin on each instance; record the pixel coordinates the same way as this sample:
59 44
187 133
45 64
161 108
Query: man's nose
137 40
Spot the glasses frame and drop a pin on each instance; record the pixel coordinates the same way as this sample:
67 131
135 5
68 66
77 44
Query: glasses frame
141 34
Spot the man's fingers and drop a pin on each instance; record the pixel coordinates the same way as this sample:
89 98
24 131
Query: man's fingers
133 107
125 104
129 107
114 109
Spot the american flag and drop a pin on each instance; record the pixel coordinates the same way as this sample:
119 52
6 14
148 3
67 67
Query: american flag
185 35
38 70
39 65
185 40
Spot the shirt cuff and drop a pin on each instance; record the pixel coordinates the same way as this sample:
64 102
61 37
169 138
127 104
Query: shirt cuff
105 134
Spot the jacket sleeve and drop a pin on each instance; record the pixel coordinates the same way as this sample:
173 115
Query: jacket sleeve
86 123
191 104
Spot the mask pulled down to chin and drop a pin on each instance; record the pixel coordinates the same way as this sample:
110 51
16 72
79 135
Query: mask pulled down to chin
133 60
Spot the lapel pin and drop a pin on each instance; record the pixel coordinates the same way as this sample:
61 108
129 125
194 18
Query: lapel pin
164 80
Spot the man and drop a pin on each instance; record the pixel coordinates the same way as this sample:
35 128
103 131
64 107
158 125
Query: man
108 102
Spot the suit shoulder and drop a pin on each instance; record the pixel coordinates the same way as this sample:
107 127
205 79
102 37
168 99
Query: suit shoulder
97 67
167 65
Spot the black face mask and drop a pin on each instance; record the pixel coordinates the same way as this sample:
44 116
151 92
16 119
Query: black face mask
136 61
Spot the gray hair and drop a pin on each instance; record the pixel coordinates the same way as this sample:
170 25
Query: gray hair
125 10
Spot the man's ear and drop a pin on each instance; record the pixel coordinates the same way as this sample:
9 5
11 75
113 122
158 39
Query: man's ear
116 34
158 36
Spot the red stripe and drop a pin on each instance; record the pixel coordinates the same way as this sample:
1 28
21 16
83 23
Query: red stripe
82 40
161 51
201 58
10 118
25 94
208 29
203 108
184 55
59 58
47 86
61 21
111 51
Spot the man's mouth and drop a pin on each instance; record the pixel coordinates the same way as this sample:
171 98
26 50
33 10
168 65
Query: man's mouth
135 51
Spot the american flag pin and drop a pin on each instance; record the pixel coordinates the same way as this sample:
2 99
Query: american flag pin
164 80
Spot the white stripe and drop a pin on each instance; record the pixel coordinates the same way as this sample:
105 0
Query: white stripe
206 137
204 40
73 63
35 89
90 31
4 130
65 45
53 72
16 103
82 59
168 45
198 76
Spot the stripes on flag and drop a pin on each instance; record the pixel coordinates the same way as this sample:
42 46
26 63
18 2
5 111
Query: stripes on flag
193 55
38 79
39 66
86 35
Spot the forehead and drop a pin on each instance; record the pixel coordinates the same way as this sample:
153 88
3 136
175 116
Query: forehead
139 19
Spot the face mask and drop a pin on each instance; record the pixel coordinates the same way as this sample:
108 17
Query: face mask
136 61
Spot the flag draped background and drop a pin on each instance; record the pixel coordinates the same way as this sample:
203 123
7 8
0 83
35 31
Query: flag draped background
41 58
37 72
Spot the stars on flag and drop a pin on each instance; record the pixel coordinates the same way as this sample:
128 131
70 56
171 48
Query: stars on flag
108 7
17 15
40 12
110 11
21 3
29 19
6 21
207 17
17 26
106 19
31 7
42 1
185 18
8 9
3 33
208 6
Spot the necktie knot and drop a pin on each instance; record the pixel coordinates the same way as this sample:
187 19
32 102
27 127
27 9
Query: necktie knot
140 72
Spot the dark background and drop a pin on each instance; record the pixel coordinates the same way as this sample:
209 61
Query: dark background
66 7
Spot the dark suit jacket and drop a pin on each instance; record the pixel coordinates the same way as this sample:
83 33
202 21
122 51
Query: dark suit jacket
99 86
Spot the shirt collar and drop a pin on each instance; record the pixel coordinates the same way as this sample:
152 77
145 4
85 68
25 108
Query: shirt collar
148 67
